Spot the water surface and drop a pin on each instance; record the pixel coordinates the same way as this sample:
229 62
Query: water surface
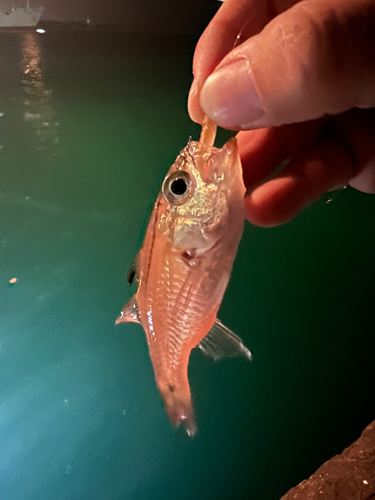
91 122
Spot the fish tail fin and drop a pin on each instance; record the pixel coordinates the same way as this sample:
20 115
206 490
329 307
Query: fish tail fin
180 411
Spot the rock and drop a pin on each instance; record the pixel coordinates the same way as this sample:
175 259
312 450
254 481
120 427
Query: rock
349 476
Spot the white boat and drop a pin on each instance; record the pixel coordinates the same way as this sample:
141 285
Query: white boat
20 17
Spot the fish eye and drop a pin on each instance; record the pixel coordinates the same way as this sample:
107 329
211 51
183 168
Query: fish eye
177 186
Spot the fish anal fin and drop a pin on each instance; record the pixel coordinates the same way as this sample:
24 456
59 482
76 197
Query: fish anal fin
220 343
129 313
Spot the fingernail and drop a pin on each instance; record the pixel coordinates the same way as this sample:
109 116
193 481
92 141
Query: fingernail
229 96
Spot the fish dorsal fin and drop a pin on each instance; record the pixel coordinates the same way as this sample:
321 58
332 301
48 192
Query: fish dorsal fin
220 343
129 313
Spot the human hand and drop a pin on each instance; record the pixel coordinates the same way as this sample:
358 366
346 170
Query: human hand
305 79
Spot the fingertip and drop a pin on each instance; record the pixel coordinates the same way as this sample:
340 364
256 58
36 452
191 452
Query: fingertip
318 169
263 151
234 18
274 203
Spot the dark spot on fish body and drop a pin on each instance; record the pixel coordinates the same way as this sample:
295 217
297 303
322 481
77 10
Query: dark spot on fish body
130 276
191 258
171 388
189 254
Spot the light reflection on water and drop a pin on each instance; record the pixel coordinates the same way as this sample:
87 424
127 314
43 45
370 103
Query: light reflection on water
39 111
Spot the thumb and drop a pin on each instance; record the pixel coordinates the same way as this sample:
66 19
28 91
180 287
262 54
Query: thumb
316 58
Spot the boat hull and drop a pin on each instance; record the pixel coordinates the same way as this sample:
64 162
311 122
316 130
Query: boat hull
19 18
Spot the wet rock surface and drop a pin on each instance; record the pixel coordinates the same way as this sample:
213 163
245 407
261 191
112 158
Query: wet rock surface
348 476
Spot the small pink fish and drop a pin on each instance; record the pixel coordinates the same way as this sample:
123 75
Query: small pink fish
184 267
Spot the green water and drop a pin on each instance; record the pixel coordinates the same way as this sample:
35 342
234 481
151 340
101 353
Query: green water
90 123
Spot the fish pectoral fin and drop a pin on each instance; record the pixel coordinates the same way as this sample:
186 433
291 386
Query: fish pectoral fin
129 313
220 343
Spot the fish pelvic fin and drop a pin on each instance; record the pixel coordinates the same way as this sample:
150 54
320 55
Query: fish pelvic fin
220 343
129 313
180 411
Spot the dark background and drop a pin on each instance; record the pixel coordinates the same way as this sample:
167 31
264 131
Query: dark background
168 16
